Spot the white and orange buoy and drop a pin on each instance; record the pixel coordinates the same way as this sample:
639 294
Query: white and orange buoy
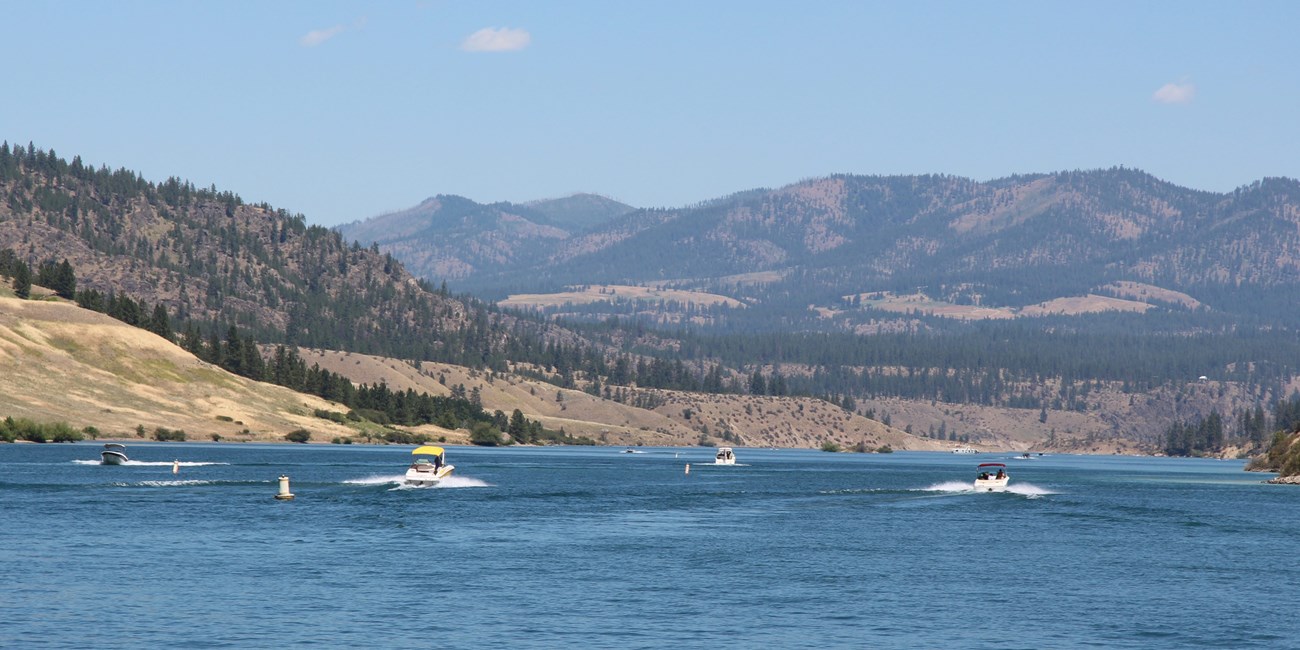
688 469
176 467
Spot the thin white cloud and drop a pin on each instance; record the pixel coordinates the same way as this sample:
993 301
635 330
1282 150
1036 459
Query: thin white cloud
318 36
490 39
1175 93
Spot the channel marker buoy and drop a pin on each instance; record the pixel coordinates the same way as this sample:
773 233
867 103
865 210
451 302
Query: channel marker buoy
284 494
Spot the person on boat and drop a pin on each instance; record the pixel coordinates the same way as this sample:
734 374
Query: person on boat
1001 474
984 476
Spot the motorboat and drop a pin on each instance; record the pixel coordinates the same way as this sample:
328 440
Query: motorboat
429 467
724 457
113 454
992 477
965 450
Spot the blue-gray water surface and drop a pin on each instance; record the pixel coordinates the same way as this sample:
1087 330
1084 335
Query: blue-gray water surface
591 547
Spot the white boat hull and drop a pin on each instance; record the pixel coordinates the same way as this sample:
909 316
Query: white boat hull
112 458
728 461
424 478
991 484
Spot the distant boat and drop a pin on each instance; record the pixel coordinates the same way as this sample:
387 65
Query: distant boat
429 468
724 457
113 454
965 450
992 477
632 451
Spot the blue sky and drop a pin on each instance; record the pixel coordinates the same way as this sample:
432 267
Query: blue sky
344 110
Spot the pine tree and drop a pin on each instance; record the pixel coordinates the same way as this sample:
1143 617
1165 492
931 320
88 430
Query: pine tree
22 280
65 281
160 324
518 427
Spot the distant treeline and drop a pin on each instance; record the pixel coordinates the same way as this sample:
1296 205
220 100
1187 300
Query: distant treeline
1207 435
12 430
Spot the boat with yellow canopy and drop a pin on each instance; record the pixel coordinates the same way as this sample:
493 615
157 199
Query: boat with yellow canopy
430 466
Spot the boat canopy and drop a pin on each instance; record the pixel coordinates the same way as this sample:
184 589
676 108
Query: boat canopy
114 445
427 449
992 465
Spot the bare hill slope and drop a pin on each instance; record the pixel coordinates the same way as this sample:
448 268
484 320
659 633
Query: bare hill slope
675 418
64 363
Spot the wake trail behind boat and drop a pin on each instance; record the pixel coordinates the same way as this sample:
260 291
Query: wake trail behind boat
150 463
1023 489
462 482
164 484
398 481
375 480
951 486
1028 489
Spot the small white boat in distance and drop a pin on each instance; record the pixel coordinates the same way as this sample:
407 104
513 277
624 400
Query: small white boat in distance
724 457
113 454
430 466
992 477
965 450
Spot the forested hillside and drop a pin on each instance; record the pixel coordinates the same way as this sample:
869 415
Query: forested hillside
210 259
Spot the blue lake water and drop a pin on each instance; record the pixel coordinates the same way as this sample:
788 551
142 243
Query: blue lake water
591 547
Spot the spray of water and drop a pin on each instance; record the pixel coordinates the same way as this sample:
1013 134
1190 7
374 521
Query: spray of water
398 482
163 483
447 483
1023 489
462 482
149 463
374 480
951 486
1028 489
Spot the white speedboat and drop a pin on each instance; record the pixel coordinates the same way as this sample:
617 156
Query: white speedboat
724 457
965 450
113 454
992 477
430 466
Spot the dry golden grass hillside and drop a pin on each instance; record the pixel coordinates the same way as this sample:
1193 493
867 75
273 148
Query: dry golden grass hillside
677 418
64 363
576 412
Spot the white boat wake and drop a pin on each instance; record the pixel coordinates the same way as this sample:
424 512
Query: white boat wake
162 483
150 463
1023 489
1028 489
374 480
950 486
398 482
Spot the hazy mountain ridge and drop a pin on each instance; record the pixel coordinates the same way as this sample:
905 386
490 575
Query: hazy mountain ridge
1011 242
451 237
